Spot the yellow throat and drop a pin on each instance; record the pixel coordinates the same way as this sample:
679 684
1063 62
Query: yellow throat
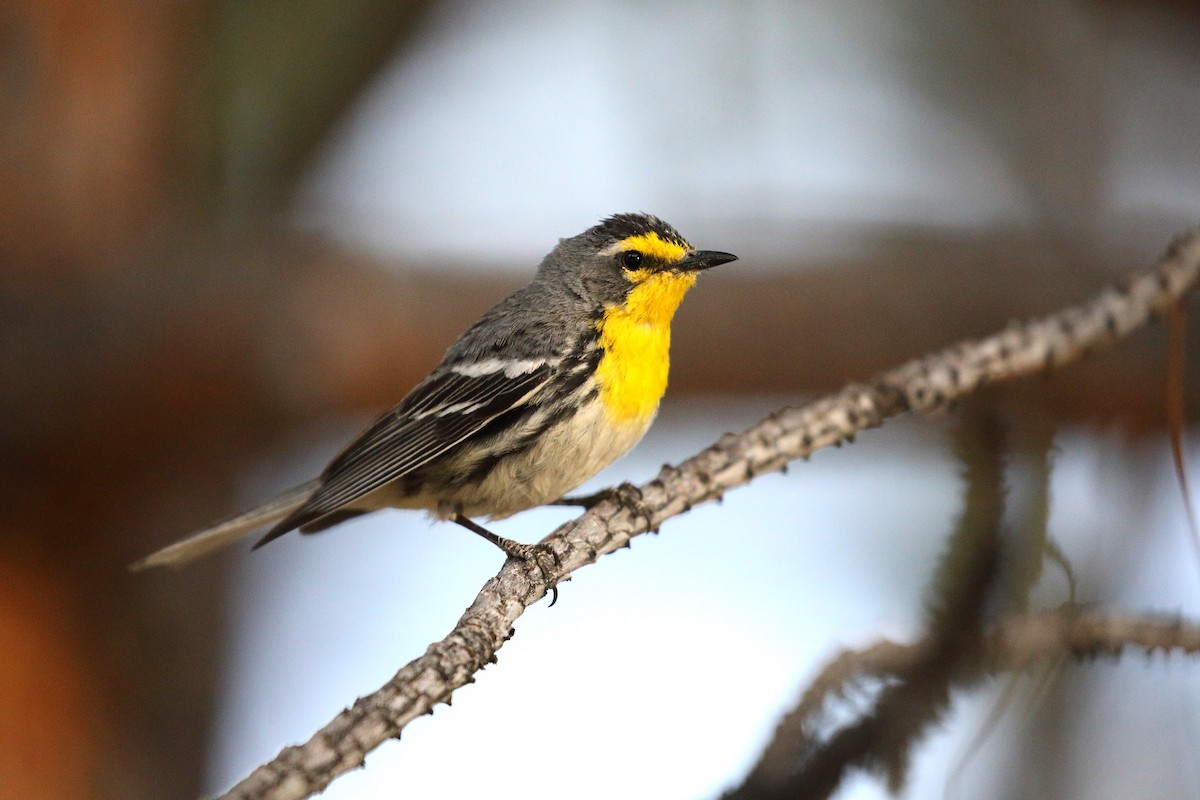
636 335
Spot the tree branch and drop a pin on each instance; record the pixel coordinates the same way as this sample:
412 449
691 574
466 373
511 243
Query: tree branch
1017 642
797 764
921 385
801 762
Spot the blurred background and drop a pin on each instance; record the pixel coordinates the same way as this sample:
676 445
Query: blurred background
231 232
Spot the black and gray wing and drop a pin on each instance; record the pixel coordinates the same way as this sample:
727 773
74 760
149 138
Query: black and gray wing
441 414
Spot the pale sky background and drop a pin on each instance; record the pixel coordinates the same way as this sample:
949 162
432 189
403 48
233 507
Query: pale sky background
663 669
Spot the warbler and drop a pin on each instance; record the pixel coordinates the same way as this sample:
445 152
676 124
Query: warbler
550 386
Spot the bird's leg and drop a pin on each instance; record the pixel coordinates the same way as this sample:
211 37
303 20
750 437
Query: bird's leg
624 494
535 554
585 501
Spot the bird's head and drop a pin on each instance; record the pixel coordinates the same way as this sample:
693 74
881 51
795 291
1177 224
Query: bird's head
631 260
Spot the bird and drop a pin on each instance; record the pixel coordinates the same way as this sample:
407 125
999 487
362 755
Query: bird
547 388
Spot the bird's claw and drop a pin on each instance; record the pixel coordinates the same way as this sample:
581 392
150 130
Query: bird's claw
541 556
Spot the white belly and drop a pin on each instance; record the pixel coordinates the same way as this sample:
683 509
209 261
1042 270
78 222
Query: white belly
564 457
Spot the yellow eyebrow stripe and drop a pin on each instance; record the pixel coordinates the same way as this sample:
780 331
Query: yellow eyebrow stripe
653 245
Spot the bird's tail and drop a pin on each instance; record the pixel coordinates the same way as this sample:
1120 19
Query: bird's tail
227 531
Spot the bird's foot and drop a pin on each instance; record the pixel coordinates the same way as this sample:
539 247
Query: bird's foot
625 494
541 556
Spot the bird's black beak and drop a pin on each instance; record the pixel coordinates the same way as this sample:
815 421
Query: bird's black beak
697 260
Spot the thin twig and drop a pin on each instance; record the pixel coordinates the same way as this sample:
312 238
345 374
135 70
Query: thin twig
1176 390
921 385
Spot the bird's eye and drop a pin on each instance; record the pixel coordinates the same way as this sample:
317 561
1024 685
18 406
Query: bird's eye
631 259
